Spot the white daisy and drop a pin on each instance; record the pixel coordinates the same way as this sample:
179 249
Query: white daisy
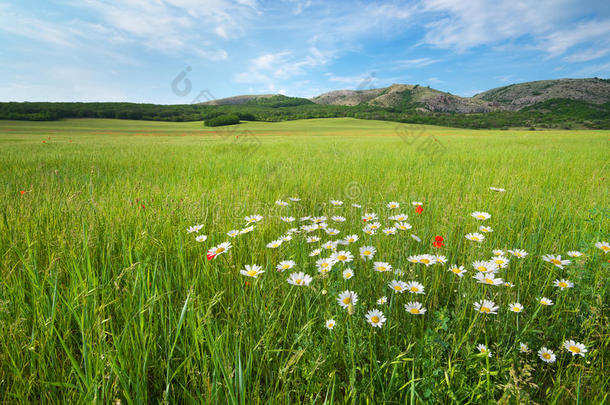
393 205
398 286
325 265
575 348
556 260
194 228
475 237
485 229
275 244
389 231
348 273
299 279
515 307
545 301
416 238
402 226
252 270
481 216
369 216
484 350
375 318
604 246
351 239
575 253
330 324
486 307
547 355
312 239
415 308
315 252
338 218
520 253
415 288
336 203
563 284
233 233
487 278
367 252
285 265
382 300
281 203
347 298
201 238
457 270
343 256
382 266
287 219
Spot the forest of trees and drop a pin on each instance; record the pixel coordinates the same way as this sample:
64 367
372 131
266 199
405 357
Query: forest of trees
558 113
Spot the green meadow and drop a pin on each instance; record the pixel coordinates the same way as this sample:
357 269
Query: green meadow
105 296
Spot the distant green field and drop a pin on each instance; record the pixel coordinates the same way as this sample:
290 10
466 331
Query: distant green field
104 294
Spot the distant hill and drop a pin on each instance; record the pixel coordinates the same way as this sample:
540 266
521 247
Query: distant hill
518 96
266 100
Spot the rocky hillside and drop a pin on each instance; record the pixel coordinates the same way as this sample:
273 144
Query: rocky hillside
414 98
518 96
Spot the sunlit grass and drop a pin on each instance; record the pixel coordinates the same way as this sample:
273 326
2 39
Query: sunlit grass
105 295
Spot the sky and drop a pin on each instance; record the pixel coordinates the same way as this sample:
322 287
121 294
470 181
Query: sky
184 51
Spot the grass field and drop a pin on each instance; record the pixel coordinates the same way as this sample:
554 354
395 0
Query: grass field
105 296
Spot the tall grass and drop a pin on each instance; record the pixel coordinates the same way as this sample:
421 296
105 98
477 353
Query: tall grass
105 297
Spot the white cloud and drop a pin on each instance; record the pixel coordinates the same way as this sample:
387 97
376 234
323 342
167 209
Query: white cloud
587 55
415 63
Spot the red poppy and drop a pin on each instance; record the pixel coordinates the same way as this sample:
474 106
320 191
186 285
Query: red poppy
22 192
247 283
438 238
419 209
210 255
44 141
438 244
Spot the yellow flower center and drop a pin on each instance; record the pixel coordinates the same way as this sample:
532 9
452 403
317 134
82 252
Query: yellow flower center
341 257
414 289
375 319
414 311
220 250
381 268
425 261
562 284
298 281
485 309
367 252
475 238
546 355
481 216
555 261
482 269
398 288
606 248
456 270
574 349
347 300
252 273
516 309
324 265
489 281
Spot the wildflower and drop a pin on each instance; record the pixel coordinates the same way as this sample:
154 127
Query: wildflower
545 301
287 219
481 216
306 218
415 288
604 246
392 205
556 260
547 355
374 225
515 307
484 350
318 220
369 216
343 256
233 233
417 203
382 266
382 300
398 286
247 229
338 218
285 265
500 261
312 239
457 270
520 253
575 348
438 242
367 252
315 252
399 217
508 284
486 307
475 237
369 231
348 273
299 279
330 324
286 238
497 190
330 245
252 271
575 253
563 284
275 244
325 265
336 203
488 279
375 317
485 267
498 252
253 218
218 250
347 298
419 209
281 203
201 238
294 199
390 231
440 259
485 229
416 238
332 231
194 228
356 205
523 348
402 226
351 239
415 308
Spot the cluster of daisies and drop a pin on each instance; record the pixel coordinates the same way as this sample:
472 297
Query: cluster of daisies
312 228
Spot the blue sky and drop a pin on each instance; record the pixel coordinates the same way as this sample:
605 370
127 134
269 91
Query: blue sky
133 50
